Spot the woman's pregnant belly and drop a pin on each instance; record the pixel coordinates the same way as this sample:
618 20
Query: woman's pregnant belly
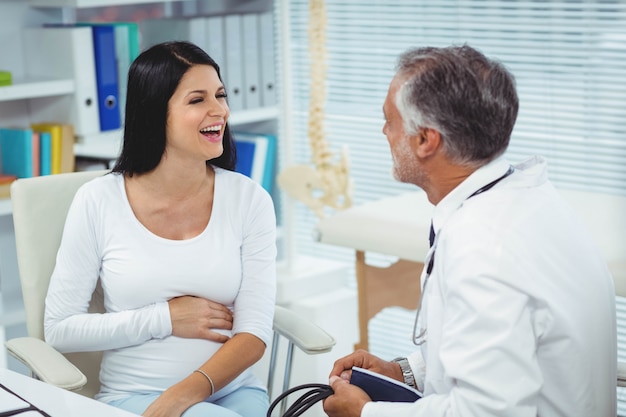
154 365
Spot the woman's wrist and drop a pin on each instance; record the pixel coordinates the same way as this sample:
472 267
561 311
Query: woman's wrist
208 378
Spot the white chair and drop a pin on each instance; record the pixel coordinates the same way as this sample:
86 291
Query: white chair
40 206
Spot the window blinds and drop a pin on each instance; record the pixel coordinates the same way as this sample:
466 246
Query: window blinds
568 57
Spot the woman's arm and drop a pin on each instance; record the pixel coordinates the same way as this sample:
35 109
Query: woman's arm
238 354
67 324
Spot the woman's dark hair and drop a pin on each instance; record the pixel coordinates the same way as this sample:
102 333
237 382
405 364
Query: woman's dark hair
152 79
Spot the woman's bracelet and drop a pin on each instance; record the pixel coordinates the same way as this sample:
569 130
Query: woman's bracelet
200 371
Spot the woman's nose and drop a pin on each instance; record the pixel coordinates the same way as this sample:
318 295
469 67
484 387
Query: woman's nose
218 107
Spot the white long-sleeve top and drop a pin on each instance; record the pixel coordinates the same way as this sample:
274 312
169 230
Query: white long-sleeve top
519 308
231 262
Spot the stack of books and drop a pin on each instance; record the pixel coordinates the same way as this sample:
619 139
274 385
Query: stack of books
41 149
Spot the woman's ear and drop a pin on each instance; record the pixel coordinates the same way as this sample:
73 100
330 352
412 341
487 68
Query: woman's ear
428 142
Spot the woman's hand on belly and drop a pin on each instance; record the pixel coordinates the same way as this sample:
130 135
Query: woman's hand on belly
196 318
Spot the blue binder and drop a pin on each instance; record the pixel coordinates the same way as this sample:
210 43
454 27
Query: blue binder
245 157
106 77
256 155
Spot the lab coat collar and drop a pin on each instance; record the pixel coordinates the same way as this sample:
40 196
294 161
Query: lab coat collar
530 172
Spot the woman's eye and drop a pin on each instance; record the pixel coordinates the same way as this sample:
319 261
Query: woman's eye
221 95
196 100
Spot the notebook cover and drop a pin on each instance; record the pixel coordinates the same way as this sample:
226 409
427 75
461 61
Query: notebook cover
382 388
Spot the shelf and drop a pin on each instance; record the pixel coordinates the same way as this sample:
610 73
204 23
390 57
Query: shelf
104 146
262 114
36 88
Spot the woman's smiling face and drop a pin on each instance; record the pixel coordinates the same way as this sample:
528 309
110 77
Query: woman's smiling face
197 115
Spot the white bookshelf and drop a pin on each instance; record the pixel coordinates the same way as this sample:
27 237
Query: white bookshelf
17 98
261 114
25 89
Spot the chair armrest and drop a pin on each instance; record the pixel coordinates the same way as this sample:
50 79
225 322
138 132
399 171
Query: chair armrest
621 374
305 334
48 364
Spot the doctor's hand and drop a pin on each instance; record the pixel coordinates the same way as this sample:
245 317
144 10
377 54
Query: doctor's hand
196 318
363 359
347 401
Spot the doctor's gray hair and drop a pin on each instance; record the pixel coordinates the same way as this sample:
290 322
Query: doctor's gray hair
468 98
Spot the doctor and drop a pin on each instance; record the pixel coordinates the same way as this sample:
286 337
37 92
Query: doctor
518 309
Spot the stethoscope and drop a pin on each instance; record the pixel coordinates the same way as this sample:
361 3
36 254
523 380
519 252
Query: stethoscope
419 338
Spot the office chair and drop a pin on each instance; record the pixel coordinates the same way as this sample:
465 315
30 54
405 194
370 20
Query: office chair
40 206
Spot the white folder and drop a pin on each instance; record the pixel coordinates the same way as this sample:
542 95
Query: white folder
155 31
233 67
215 41
268 59
60 53
122 54
251 60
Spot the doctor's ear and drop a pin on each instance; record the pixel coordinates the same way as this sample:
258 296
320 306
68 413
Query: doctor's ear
428 141
421 134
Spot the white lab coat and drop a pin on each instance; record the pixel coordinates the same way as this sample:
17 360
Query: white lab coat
519 308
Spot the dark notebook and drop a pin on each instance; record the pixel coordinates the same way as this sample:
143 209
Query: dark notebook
382 388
